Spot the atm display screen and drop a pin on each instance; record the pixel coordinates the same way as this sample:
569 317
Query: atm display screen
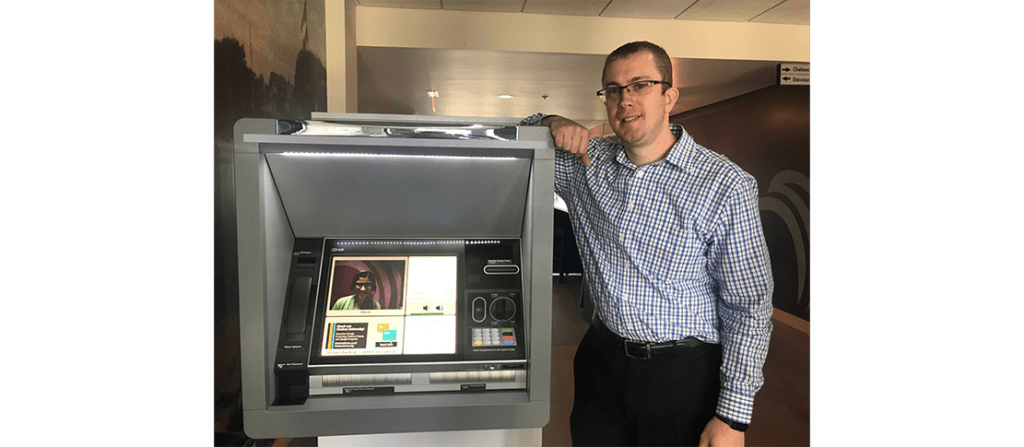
408 304
390 305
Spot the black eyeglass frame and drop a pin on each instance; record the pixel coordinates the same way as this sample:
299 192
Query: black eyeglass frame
602 94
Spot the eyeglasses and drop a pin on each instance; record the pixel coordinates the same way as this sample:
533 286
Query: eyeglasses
362 285
639 88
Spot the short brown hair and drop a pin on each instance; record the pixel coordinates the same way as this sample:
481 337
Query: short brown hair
661 59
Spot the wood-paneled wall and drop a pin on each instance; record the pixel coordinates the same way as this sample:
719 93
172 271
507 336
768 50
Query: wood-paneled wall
767 133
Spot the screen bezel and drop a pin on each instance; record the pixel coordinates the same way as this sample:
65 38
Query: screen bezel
385 248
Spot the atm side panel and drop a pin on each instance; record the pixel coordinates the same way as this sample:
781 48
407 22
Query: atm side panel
291 367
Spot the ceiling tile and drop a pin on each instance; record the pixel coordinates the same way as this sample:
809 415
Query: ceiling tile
727 10
646 9
792 12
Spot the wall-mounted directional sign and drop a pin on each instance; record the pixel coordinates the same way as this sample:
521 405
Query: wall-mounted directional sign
794 74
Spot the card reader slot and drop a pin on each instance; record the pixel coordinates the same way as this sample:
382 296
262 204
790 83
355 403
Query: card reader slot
506 269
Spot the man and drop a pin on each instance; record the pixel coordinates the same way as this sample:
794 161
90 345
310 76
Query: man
671 241
364 284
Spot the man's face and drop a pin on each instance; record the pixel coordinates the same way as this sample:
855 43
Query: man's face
364 287
637 120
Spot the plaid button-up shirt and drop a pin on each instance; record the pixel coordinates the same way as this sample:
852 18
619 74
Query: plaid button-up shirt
675 249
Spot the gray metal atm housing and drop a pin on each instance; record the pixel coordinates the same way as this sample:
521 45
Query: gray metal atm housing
438 184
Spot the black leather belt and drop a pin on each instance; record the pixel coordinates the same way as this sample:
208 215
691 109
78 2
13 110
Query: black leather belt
647 350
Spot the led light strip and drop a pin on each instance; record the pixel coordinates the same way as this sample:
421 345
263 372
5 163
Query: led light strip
398 242
439 242
482 242
364 155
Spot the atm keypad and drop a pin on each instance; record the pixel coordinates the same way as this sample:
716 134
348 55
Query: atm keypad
494 336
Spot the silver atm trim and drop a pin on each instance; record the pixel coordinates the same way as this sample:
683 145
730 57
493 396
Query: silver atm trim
509 379
418 364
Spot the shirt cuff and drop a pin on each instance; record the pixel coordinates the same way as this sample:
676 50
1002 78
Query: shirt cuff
533 120
735 407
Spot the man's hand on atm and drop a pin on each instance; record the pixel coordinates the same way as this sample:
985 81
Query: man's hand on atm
570 136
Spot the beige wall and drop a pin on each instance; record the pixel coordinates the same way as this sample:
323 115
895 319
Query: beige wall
342 82
415 28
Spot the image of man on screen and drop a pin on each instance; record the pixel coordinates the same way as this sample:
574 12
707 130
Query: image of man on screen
364 284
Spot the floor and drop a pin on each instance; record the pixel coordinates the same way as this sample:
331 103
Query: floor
781 408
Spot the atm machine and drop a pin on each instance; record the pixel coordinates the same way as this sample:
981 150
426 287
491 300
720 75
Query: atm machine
394 274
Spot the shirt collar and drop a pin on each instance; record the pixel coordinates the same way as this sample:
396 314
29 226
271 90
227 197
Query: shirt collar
677 155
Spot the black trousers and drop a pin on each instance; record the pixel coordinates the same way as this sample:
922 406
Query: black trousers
622 400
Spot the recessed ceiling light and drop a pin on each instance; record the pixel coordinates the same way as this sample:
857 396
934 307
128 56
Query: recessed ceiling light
506 96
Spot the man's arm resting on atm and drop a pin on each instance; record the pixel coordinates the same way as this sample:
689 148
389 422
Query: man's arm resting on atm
569 135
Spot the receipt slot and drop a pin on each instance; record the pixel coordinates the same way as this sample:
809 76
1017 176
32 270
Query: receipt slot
394 274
